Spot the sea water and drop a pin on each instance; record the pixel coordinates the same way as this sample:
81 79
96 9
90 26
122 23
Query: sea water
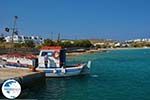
115 75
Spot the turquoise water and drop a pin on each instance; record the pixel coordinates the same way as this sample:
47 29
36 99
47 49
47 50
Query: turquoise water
115 75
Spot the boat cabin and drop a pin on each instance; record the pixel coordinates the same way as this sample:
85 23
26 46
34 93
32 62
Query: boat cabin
52 57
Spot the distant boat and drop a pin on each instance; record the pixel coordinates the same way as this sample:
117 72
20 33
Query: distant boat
51 60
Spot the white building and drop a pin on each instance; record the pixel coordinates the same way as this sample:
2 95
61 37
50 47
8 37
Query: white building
139 40
22 39
99 44
117 44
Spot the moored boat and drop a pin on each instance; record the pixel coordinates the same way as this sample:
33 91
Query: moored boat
51 60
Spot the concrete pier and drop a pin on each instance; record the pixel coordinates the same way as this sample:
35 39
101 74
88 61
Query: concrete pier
25 77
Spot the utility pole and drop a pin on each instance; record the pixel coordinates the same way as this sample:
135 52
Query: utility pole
58 38
14 30
52 36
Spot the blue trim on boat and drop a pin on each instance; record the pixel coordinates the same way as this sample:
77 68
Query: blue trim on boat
59 71
73 70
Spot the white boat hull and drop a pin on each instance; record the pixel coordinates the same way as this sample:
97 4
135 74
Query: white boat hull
60 72
64 72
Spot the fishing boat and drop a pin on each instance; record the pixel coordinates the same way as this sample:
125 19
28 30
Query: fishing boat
51 60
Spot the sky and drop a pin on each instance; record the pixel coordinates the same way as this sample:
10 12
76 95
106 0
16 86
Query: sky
78 19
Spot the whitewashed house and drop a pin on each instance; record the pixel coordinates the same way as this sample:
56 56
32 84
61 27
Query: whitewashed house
21 39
